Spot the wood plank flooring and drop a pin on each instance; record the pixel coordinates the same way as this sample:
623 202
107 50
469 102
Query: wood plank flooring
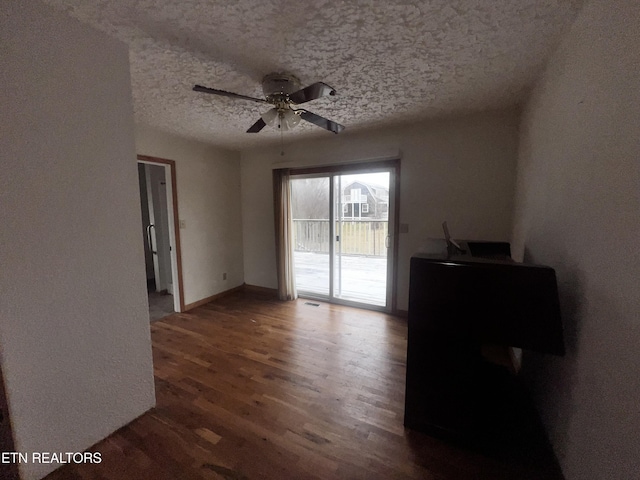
251 388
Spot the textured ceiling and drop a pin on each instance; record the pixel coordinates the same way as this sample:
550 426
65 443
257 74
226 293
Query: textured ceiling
390 61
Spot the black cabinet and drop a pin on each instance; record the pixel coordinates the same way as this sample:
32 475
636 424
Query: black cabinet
457 305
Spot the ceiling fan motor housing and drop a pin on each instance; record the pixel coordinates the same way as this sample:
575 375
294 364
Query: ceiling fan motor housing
279 84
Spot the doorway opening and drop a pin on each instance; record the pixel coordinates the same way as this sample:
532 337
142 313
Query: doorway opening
344 234
158 204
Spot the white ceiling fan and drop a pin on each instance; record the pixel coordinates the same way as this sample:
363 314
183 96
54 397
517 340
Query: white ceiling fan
282 90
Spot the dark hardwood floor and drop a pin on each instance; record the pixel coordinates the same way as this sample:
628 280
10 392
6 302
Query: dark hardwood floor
251 388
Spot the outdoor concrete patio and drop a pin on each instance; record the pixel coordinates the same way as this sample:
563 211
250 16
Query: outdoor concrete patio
363 278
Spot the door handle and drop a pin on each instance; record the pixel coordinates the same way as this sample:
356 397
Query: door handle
150 238
387 241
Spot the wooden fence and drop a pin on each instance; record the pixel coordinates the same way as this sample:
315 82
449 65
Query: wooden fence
357 237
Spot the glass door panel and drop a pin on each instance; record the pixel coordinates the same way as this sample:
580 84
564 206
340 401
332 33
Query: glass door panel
311 231
361 212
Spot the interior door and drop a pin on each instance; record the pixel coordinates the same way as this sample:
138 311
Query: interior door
158 228
166 204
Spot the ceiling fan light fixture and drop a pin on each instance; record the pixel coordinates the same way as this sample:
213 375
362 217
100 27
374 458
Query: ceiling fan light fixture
288 120
270 117
283 120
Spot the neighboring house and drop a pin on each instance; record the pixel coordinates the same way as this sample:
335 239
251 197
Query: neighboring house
363 200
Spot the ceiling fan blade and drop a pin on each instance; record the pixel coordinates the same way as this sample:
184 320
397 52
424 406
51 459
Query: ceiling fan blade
313 91
200 88
321 121
256 127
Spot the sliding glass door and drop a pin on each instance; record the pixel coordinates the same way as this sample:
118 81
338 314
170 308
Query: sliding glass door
343 235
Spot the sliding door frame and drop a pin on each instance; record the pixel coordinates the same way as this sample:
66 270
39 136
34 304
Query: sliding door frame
393 166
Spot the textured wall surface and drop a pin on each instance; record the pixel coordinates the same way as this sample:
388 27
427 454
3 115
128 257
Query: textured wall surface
74 329
209 204
578 210
461 170
390 60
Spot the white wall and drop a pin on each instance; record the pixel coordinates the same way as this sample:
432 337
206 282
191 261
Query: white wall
461 170
208 184
74 330
578 210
